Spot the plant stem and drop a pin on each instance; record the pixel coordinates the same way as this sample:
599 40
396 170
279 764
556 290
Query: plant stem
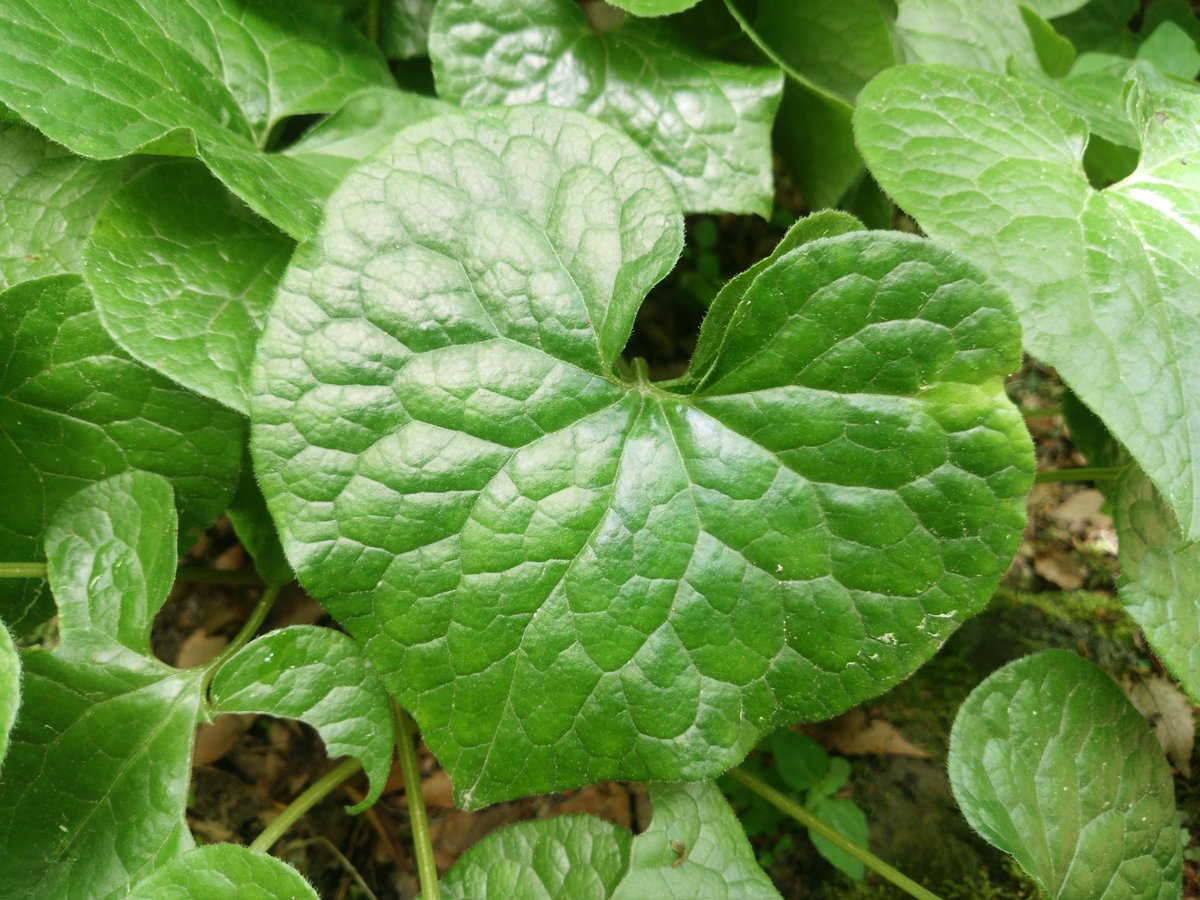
313 794
786 804
426 868
22 570
373 22
241 638
1080 474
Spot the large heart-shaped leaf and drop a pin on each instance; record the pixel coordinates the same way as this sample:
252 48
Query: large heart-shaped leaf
694 847
1105 281
49 199
1052 764
707 122
74 409
207 77
568 574
93 792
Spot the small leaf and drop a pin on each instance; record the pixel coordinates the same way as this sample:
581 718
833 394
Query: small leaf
182 273
1050 762
654 7
992 167
719 861
800 761
94 789
845 817
190 77
565 856
832 780
10 689
319 676
224 870
962 33
706 122
1160 577
48 201
1172 50
111 557
604 577
694 847
74 409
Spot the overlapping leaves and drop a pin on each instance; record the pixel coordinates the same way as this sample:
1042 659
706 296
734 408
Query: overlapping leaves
600 576
212 78
694 847
1104 280
1050 762
707 122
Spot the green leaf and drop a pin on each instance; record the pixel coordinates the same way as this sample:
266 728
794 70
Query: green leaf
48 201
565 856
319 676
833 47
716 860
224 870
1052 9
188 77
992 167
847 818
256 529
832 780
1160 577
110 551
1101 26
962 33
1054 52
10 689
182 273
94 788
815 138
601 577
404 32
800 761
707 123
1172 50
74 409
694 847
1050 762
654 7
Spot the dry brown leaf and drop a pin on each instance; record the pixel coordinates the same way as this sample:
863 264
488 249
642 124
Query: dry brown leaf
1170 713
215 739
1060 568
198 648
854 734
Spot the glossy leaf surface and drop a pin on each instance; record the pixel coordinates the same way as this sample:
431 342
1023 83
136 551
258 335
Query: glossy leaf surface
1051 763
75 409
654 7
599 576
1160 577
182 273
256 530
707 123
49 199
1104 281
694 847
224 870
207 77
10 689
319 676
92 796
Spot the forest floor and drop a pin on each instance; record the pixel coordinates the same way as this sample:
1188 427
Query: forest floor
1059 592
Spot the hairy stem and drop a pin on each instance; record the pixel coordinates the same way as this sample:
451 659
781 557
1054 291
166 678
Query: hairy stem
373 16
241 638
786 804
1080 474
22 570
422 845
313 794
